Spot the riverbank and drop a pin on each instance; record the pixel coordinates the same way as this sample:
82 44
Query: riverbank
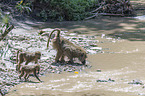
123 63
117 61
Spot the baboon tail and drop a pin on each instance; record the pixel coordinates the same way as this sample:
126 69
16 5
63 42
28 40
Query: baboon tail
17 55
58 33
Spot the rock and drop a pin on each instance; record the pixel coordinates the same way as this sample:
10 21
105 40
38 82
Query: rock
102 81
96 48
98 70
136 82
93 45
1 69
109 80
91 51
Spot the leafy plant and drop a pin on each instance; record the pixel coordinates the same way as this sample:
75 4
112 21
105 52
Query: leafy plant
22 7
5 21
64 9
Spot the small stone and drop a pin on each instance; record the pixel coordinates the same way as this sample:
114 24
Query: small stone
98 70
110 80
52 71
101 80
136 82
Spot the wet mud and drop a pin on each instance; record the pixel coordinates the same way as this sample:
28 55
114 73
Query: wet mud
115 65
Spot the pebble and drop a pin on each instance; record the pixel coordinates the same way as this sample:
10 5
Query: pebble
98 70
136 82
109 80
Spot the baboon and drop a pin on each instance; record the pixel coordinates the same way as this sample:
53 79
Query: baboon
28 57
66 48
27 69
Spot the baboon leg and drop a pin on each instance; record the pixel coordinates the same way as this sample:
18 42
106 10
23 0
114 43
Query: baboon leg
84 62
69 55
62 59
22 73
58 55
26 75
34 72
19 65
71 60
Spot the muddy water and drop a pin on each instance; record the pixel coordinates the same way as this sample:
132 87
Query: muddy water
121 61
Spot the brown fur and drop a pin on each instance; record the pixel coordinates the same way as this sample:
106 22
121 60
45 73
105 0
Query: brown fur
66 48
28 57
27 69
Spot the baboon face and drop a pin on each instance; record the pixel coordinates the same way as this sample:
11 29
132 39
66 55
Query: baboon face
82 58
38 55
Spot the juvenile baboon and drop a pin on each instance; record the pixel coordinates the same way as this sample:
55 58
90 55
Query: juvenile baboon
66 48
28 57
27 69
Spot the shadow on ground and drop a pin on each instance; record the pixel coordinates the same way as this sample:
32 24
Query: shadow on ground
125 27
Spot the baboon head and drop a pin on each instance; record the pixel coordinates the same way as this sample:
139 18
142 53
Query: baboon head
37 67
38 54
82 58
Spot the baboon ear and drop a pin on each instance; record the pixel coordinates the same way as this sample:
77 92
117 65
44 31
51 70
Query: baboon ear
83 55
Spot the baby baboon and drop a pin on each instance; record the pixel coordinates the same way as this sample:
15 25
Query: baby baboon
66 48
28 57
27 69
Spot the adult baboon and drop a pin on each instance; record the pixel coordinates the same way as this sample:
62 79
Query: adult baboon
28 57
66 48
27 69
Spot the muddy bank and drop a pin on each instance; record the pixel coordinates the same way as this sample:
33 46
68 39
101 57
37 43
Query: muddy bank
121 66
29 40
119 58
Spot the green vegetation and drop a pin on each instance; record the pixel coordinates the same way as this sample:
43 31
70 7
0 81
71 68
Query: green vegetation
4 22
69 10
22 7
63 9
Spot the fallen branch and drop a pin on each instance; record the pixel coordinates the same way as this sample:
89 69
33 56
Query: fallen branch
7 30
113 8
97 9
109 14
104 14
96 14
139 8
